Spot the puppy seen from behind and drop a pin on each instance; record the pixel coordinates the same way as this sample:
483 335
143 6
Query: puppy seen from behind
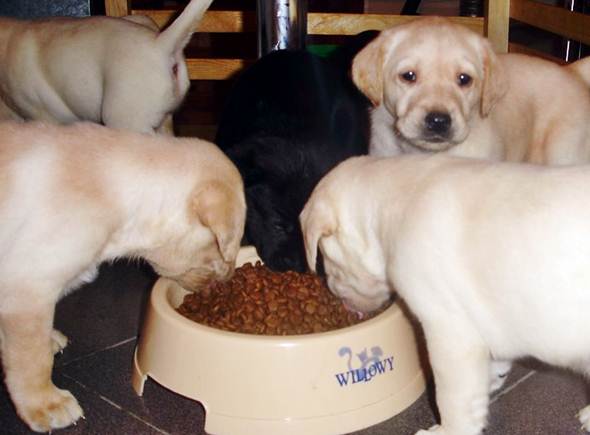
120 72
439 86
492 258
75 196
290 118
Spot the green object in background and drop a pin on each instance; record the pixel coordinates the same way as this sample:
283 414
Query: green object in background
323 50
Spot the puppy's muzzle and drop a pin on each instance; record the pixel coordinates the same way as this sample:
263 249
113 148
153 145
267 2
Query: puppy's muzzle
437 126
196 279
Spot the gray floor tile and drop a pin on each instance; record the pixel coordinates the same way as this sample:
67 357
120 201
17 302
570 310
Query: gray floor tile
101 416
104 312
545 403
108 374
419 415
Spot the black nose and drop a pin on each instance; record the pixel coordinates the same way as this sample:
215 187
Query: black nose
438 122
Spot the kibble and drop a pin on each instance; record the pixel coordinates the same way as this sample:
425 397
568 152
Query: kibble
257 300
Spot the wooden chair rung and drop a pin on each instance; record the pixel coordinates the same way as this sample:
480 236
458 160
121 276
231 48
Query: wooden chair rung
215 69
572 25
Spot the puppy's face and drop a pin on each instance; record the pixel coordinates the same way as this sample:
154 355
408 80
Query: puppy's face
352 276
272 226
436 79
355 271
206 244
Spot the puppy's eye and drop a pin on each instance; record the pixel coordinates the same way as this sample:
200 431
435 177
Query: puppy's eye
408 76
175 70
464 79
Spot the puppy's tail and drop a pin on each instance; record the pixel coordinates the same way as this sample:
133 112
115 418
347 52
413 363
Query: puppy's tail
582 69
317 221
175 37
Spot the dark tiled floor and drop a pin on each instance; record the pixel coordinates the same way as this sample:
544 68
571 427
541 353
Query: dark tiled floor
102 321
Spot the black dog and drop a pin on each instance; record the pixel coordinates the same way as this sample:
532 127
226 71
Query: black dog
289 119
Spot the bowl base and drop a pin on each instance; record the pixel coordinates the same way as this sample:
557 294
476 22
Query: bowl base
342 423
321 425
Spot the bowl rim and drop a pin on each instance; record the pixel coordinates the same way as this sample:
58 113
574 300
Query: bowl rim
161 303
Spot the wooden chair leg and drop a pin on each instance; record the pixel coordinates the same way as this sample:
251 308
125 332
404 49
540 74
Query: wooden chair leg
117 8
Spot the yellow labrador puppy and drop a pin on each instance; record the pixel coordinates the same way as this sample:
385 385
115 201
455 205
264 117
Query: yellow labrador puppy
73 197
492 258
120 72
438 86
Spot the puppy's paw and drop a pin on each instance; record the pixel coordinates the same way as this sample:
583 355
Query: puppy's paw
58 341
499 371
584 417
53 409
436 429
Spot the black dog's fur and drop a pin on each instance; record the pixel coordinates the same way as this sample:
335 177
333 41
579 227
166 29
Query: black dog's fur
289 119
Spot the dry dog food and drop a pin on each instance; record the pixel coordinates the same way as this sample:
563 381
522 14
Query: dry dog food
257 300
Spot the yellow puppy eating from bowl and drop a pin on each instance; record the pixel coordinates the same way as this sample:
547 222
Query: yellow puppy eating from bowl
492 258
73 197
438 86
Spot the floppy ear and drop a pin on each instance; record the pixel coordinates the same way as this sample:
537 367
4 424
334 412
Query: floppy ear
367 67
219 208
316 221
495 83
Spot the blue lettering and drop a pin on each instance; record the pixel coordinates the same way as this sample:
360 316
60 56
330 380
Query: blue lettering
372 371
342 378
379 366
390 362
365 374
360 375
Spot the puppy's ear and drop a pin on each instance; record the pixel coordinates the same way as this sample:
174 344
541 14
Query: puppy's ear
495 83
220 209
317 221
367 68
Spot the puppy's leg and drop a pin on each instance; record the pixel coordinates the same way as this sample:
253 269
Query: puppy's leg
461 365
584 414
27 358
498 373
564 144
584 417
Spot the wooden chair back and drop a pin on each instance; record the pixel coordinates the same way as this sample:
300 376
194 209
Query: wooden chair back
213 67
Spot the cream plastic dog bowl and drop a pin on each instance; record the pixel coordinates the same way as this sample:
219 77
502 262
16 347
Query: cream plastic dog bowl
325 383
